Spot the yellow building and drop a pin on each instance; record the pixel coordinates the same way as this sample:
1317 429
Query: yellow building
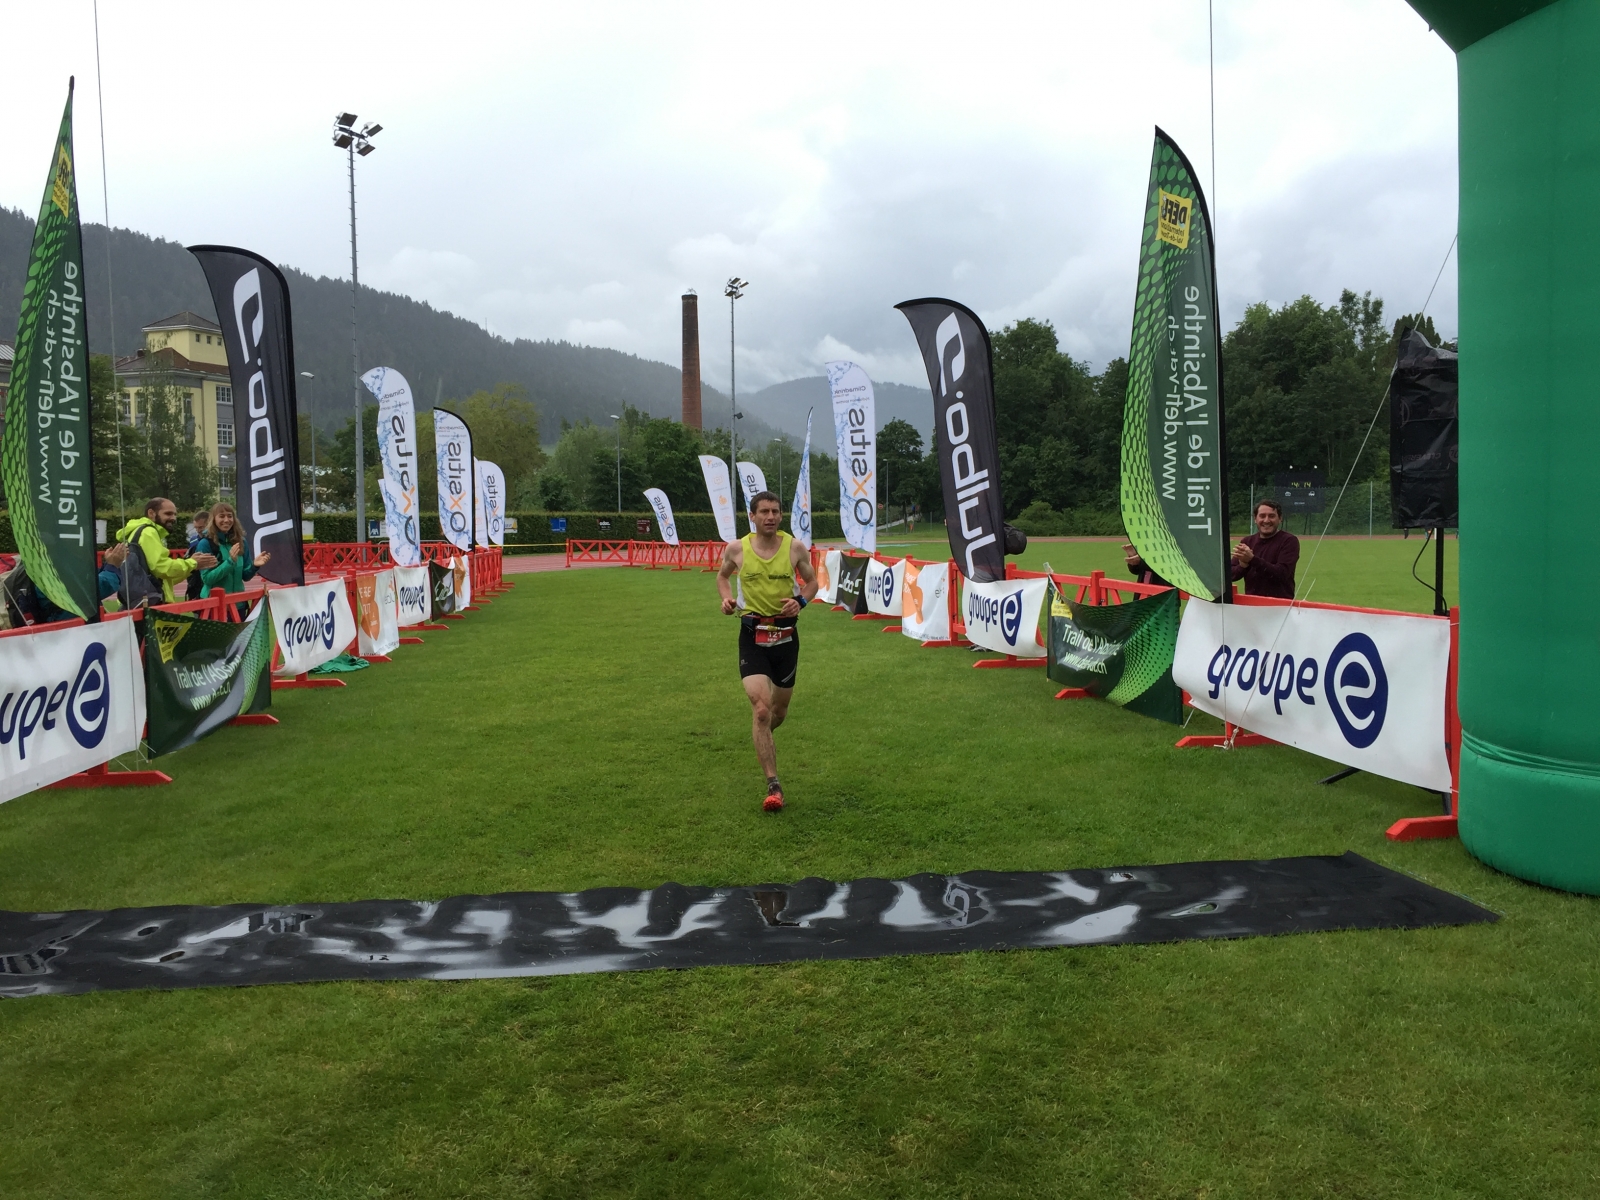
186 349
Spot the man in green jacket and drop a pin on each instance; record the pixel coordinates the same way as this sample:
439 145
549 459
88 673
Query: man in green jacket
150 531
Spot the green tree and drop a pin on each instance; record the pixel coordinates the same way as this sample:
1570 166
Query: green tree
177 467
1302 384
574 457
900 465
120 469
505 430
1051 423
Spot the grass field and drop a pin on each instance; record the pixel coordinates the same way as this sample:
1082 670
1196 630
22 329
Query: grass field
587 730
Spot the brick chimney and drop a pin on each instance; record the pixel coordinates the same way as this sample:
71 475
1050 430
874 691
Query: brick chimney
691 359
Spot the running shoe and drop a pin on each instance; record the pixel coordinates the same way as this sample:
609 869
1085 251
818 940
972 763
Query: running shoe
774 800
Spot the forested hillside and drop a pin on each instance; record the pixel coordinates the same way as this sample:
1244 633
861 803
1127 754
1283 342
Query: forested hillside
443 355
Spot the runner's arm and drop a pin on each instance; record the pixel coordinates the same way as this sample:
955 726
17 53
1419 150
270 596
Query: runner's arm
730 568
807 572
800 560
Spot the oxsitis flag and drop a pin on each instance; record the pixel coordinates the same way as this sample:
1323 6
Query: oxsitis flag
1174 469
45 454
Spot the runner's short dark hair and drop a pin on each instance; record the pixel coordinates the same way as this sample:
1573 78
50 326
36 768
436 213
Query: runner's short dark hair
154 503
760 496
1272 504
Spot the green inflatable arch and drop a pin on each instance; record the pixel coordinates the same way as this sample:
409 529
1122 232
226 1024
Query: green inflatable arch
1529 85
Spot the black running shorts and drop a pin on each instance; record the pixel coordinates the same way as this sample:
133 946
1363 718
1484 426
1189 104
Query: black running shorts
769 646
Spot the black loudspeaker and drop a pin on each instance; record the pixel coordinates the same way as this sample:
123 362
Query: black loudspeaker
1423 429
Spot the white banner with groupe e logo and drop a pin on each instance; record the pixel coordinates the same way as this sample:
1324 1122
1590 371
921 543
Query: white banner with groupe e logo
70 699
414 594
884 587
1004 615
1361 688
926 611
312 623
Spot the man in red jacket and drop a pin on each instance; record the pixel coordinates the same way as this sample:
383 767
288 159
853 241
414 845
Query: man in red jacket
1266 559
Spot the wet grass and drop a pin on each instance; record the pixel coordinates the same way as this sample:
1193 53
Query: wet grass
589 730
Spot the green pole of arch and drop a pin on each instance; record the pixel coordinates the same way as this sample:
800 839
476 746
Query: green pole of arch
1528 75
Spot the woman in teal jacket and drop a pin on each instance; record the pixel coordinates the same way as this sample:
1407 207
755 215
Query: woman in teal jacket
224 538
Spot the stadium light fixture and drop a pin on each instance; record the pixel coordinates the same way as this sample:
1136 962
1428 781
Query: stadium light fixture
353 143
733 291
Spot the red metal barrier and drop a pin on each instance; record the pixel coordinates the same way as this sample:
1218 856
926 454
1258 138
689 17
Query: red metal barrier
682 557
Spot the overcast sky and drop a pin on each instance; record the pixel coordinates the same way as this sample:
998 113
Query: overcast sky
566 171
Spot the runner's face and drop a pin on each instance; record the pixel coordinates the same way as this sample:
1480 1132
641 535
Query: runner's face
1267 520
768 517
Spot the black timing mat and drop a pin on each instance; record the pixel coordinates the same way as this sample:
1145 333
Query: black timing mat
624 929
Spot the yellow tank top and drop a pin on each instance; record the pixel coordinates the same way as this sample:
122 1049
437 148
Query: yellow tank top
765 582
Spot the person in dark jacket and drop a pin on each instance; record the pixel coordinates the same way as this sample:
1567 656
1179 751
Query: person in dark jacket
225 539
1266 559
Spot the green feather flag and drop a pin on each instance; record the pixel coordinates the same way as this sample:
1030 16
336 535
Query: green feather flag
44 457
1174 462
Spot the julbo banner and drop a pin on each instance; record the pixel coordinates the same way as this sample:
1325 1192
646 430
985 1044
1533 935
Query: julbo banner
1174 495
252 301
397 447
49 481
1004 615
925 607
960 365
855 429
883 586
850 583
1364 689
452 451
312 624
70 699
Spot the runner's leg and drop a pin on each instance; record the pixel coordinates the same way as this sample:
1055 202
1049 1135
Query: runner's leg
760 690
780 706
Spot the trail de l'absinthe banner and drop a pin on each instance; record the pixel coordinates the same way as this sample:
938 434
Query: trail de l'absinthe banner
45 457
1174 495
252 302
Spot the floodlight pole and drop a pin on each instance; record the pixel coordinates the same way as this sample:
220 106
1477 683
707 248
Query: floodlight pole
313 379
733 291
618 420
353 142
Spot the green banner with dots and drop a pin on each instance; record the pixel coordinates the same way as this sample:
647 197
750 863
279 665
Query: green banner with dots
1119 652
44 457
1174 490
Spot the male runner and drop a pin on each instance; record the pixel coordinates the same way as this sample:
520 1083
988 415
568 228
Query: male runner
767 560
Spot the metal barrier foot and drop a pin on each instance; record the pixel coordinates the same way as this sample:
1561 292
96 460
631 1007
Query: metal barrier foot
1415 829
102 777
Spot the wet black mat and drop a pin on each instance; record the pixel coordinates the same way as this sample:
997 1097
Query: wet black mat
624 929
